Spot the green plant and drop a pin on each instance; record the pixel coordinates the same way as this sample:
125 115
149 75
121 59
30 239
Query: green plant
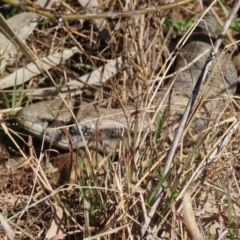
179 26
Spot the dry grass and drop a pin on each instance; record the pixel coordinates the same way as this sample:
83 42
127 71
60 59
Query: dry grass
87 195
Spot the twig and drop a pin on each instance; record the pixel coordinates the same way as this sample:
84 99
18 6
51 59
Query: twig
90 16
189 216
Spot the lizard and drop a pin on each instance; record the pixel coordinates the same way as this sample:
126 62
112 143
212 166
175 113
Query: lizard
52 119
